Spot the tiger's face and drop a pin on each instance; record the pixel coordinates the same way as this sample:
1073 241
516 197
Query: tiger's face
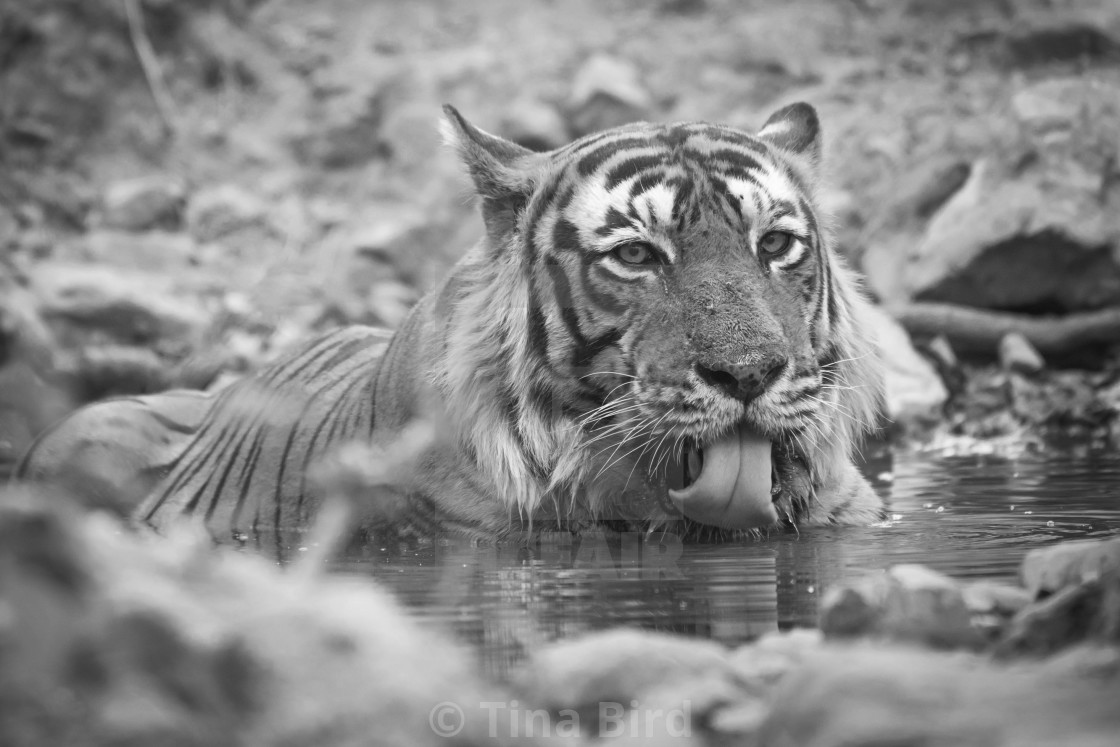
707 280
684 308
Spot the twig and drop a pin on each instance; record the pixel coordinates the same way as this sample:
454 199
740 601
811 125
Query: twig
981 329
149 63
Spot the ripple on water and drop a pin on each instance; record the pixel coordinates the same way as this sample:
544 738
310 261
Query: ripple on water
970 517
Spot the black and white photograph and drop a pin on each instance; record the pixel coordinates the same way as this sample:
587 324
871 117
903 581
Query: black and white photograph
591 372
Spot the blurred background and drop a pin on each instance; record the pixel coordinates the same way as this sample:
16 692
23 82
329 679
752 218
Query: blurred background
186 189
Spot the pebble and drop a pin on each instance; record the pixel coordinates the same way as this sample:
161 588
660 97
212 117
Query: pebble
1017 354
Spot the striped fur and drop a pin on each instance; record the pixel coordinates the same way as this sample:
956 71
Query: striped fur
567 374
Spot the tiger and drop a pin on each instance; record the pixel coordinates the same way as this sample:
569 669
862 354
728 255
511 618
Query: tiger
653 328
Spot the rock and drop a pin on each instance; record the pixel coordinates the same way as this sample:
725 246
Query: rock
100 371
31 396
1018 355
1050 569
143 203
1020 244
214 212
915 393
607 92
898 224
1068 42
766 661
1036 226
992 605
989 597
926 606
853 609
948 366
653 680
29 403
534 124
174 641
1089 611
887 695
907 603
85 303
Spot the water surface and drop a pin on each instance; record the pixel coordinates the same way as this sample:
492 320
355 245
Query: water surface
970 517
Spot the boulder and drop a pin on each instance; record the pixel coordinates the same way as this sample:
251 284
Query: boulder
1050 569
144 202
1076 588
1088 611
915 392
607 92
1006 243
1036 226
907 603
86 304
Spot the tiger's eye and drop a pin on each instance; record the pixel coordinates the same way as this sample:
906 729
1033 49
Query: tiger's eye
634 253
775 244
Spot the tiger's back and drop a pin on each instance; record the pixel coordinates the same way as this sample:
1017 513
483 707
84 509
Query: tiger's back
237 459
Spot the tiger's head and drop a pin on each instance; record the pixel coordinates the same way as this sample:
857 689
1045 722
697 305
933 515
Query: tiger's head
656 323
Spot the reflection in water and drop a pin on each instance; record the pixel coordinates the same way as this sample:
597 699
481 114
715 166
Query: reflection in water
970 518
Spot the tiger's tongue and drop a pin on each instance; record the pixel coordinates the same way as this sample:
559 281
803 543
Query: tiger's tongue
733 488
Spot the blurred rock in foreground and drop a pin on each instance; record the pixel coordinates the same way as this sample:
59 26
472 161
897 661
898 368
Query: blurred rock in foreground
112 638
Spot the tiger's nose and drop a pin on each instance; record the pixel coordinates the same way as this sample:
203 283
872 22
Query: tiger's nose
743 381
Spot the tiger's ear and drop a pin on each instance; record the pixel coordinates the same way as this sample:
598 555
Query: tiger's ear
795 129
502 171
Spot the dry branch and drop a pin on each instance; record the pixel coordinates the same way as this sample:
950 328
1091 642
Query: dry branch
981 329
149 63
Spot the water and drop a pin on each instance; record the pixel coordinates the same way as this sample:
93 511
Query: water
972 518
